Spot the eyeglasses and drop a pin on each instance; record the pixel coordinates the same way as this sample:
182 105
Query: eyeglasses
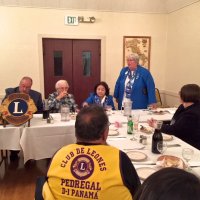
63 88
128 60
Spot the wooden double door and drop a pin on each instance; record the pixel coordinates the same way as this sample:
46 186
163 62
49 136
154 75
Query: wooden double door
74 60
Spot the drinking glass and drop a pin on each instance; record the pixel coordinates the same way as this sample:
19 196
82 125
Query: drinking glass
136 118
46 110
65 113
133 138
108 109
158 124
187 154
162 147
149 109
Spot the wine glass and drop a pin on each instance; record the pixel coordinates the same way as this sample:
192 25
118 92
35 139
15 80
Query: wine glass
162 147
136 118
108 109
187 154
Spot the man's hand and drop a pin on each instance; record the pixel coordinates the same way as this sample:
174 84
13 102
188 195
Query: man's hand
61 95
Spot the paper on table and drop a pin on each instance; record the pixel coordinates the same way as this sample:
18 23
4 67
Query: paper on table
125 144
194 163
148 162
171 110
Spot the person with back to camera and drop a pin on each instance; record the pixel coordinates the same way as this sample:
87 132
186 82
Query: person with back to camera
89 169
185 123
170 184
61 97
135 83
100 96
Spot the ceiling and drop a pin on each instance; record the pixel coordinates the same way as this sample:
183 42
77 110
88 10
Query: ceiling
136 6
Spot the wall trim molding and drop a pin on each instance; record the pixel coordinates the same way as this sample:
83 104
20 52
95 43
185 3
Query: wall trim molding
169 93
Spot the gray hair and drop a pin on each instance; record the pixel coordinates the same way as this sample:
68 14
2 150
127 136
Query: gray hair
61 82
27 78
134 56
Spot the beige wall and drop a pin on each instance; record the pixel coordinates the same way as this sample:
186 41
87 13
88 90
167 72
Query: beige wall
22 29
183 49
175 44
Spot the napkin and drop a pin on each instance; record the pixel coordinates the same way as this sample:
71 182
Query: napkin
194 163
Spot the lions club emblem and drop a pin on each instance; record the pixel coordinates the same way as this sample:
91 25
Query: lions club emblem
82 167
17 108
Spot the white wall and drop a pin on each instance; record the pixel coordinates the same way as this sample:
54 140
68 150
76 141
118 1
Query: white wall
175 44
22 29
183 49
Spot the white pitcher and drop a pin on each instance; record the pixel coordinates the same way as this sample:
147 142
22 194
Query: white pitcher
127 107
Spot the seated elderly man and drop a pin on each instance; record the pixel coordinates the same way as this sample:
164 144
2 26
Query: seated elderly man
89 169
60 97
25 87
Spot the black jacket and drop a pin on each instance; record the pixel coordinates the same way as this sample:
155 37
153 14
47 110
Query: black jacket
185 124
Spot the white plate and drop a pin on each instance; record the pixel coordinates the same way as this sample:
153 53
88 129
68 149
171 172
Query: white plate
167 137
136 156
113 132
170 161
144 172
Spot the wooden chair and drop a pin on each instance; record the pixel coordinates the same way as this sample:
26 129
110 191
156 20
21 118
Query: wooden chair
158 98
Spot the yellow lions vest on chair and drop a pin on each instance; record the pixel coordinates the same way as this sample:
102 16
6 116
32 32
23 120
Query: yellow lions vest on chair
85 172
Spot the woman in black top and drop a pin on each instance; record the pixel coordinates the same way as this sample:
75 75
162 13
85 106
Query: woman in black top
185 123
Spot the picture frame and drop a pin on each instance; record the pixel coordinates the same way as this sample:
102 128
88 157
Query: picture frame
140 45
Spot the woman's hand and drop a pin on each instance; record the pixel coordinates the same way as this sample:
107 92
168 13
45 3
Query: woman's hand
153 105
152 122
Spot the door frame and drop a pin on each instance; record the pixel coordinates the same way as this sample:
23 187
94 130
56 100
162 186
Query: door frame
40 49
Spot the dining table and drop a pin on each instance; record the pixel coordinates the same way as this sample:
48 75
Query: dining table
43 138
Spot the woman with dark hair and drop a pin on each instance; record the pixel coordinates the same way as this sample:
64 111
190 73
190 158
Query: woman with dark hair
185 123
100 96
170 184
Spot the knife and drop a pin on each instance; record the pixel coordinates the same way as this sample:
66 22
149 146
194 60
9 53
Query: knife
173 145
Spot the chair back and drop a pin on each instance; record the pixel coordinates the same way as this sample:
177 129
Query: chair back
158 97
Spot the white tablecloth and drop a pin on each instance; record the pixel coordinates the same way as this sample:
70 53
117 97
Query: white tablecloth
10 137
41 140
144 115
123 142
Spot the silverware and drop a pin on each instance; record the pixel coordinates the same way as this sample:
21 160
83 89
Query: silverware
139 148
173 145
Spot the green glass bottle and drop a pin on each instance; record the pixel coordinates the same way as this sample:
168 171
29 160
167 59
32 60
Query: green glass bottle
130 125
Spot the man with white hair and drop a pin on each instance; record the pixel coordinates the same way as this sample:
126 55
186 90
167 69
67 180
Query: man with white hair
61 97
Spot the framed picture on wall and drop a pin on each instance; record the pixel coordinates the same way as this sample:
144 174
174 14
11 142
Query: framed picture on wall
140 45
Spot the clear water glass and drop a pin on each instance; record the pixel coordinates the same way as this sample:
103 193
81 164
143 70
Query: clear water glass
65 113
162 147
187 154
136 119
